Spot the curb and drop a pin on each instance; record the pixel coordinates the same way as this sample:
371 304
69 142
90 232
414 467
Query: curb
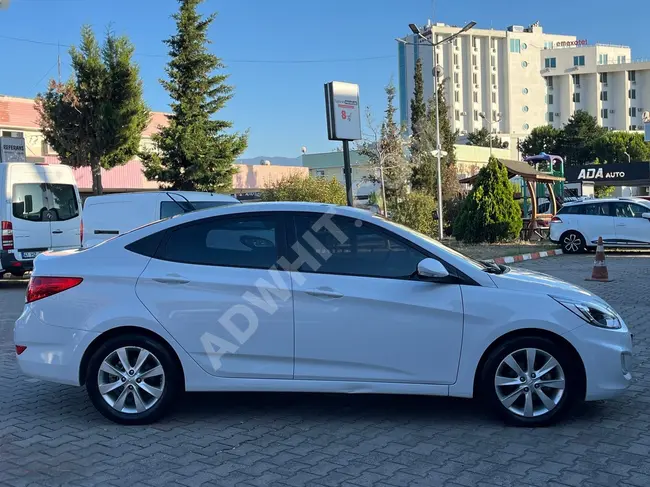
523 257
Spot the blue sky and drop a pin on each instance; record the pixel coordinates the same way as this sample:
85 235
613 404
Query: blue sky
281 103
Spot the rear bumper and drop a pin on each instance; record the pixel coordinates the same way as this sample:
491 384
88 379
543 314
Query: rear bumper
8 263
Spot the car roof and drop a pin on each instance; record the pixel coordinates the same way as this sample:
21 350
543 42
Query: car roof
190 195
604 200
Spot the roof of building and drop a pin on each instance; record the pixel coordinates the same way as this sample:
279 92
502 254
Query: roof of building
526 171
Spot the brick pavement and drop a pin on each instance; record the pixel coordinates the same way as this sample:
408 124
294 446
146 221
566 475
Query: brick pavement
51 435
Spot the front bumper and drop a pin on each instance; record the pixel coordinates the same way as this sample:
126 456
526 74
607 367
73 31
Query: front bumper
607 357
53 353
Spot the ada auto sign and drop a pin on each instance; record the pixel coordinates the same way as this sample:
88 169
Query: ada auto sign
593 173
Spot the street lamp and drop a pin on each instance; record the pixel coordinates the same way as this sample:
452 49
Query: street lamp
490 123
414 28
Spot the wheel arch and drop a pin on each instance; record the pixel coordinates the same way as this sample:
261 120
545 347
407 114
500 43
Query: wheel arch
121 330
536 333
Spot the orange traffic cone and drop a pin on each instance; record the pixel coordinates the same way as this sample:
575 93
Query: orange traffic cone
599 272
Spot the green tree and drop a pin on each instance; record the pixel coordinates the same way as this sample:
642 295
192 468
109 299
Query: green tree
577 140
612 147
425 161
385 152
298 188
481 138
97 117
416 211
541 139
195 151
418 106
489 213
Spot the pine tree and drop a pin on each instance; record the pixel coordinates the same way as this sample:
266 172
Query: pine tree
425 173
96 118
194 152
489 213
418 107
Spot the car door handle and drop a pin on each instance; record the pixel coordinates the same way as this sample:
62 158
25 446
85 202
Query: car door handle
324 293
620 224
171 280
57 232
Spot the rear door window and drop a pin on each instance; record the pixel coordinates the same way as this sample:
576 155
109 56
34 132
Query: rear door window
596 209
40 202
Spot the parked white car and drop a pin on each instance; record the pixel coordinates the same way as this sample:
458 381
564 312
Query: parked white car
622 222
109 215
311 297
40 210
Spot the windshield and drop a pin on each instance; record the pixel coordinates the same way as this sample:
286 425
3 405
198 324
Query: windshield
42 202
476 263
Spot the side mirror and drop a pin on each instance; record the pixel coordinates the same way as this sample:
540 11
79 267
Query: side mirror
432 269
645 215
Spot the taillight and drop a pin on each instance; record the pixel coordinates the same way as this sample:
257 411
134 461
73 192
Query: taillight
20 349
81 232
43 287
556 219
7 236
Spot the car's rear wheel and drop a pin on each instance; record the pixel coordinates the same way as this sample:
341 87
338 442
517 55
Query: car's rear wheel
572 242
531 381
132 379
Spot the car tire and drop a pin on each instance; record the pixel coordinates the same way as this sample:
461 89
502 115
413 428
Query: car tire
572 242
18 274
530 399
140 393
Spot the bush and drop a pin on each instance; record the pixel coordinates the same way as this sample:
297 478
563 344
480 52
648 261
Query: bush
297 188
416 212
489 213
451 210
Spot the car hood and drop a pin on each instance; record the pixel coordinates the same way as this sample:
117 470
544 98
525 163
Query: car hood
536 282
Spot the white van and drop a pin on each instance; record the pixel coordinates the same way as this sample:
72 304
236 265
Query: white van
40 209
109 215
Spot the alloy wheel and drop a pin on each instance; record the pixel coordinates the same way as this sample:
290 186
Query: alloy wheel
529 382
131 380
572 242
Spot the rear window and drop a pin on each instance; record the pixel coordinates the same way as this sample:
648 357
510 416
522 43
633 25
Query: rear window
40 202
172 208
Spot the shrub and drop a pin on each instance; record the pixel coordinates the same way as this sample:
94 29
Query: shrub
451 210
416 211
489 213
297 188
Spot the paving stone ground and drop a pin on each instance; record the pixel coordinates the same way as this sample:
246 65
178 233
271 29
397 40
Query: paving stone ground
51 435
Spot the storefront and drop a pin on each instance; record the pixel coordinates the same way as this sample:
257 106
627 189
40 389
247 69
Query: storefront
632 179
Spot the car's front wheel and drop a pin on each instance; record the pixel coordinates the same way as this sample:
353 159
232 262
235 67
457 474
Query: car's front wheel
531 381
132 379
572 242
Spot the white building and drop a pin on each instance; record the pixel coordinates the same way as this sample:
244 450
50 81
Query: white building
526 78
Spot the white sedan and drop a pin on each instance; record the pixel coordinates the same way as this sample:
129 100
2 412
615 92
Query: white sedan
311 297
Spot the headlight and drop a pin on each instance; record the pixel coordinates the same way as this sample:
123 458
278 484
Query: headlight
596 314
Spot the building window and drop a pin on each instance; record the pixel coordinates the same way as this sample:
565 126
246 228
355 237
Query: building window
549 81
524 46
494 97
576 97
602 59
603 96
620 59
549 99
456 59
320 173
475 97
456 78
550 62
457 114
474 41
474 59
549 116
455 41
475 78
548 44
631 76
578 60
525 91
15 135
456 96
437 58
524 64
493 60
632 94
476 115
576 80
515 45
603 77
494 43
603 112
632 112
494 79
525 108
